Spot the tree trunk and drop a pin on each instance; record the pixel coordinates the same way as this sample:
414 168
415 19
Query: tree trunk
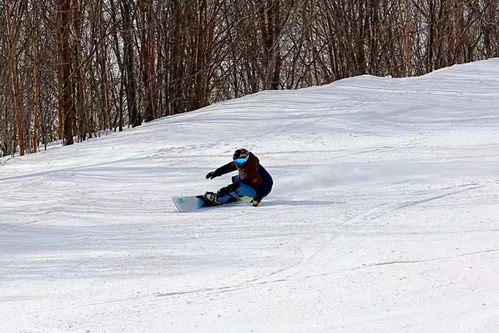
14 79
148 60
65 80
134 117
37 100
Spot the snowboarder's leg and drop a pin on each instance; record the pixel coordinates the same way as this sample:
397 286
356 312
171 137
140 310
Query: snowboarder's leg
234 191
224 195
230 193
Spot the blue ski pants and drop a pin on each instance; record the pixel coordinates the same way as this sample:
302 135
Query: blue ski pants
242 190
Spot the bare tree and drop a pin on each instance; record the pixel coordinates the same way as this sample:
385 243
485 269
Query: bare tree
14 76
118 63
66 104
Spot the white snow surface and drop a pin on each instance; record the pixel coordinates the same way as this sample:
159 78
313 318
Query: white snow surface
384 217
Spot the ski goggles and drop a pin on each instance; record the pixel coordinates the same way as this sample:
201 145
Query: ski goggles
241 160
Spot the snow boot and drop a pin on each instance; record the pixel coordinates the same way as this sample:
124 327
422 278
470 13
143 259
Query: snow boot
210 199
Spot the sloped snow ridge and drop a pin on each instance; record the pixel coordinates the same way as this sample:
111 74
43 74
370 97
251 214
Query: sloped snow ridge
384 217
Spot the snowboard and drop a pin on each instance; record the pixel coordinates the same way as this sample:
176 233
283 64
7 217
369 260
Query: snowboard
195 202
189 203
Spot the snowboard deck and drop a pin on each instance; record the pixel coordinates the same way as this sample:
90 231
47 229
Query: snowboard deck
194 202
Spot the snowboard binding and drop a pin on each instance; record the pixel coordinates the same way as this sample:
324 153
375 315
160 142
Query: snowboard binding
209 199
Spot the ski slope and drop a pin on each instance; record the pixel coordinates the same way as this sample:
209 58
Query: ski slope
384 217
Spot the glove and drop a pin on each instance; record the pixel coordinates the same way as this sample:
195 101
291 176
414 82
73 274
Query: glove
256 201
211 175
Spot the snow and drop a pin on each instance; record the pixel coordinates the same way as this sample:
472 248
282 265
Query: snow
384 217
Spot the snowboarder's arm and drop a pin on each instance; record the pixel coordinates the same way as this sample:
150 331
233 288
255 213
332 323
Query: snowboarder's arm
229 167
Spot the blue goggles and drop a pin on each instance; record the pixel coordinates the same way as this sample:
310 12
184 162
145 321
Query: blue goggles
240 160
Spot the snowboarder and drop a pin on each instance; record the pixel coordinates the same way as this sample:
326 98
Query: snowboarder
253 180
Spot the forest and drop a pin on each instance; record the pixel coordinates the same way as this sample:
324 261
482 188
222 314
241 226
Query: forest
73 69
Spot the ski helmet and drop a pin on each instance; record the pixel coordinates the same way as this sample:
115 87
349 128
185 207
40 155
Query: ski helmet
241 156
